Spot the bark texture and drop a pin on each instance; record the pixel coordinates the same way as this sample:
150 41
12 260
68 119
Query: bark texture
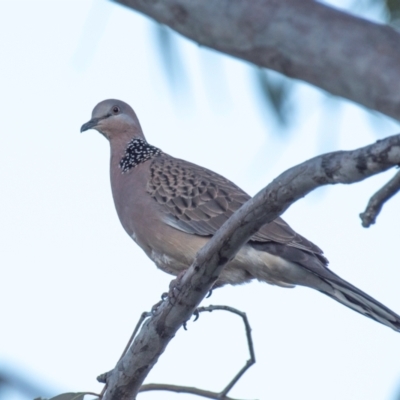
340 53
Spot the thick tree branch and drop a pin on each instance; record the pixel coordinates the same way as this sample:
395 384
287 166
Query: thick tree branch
103 377
375 204
338 52
338 167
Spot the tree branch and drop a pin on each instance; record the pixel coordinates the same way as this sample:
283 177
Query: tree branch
192 390
345 55
339 167
184 389
247 327
375 204
103 377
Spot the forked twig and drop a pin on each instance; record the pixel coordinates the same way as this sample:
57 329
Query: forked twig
375 204
183 389
252 358
205 393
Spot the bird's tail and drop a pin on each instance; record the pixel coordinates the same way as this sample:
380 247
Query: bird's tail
312 271
357 300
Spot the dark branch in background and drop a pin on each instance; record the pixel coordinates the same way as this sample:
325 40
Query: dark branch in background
343 54
274 88
375 204
125 380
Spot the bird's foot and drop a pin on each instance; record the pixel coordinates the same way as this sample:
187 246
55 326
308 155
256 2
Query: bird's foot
175 287
156 306
196 315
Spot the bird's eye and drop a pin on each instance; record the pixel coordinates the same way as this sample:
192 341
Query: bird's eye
115 110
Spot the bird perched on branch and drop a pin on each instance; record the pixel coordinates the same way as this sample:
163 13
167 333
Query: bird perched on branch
171 207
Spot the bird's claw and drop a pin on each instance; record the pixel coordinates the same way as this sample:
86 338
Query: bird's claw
171 295
156 306
164 296
175 286
196 315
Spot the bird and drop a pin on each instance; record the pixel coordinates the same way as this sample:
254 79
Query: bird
171 208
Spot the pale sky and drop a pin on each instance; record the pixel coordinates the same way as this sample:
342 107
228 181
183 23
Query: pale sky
74 284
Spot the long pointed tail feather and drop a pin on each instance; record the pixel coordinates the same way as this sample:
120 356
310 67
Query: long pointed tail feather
357 300
327 282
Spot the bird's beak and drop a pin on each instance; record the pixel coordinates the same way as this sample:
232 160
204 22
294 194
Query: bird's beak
91 124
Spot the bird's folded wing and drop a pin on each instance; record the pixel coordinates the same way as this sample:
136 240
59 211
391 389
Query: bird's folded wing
198 201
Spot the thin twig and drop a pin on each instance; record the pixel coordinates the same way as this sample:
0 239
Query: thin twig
184 389
206 393
375 204
144 315
103 377
252 358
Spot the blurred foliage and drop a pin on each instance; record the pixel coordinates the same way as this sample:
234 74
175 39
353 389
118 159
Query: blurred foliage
275 89
170 56
393 12
14 384
390 10
70 396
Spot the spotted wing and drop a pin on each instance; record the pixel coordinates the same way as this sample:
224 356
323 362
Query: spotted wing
198 201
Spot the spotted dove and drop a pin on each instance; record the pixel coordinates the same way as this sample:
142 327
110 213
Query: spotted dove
171 207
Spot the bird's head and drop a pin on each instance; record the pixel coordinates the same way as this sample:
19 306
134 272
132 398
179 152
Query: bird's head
115 120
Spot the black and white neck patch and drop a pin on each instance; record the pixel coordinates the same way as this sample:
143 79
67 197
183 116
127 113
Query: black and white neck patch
137 151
